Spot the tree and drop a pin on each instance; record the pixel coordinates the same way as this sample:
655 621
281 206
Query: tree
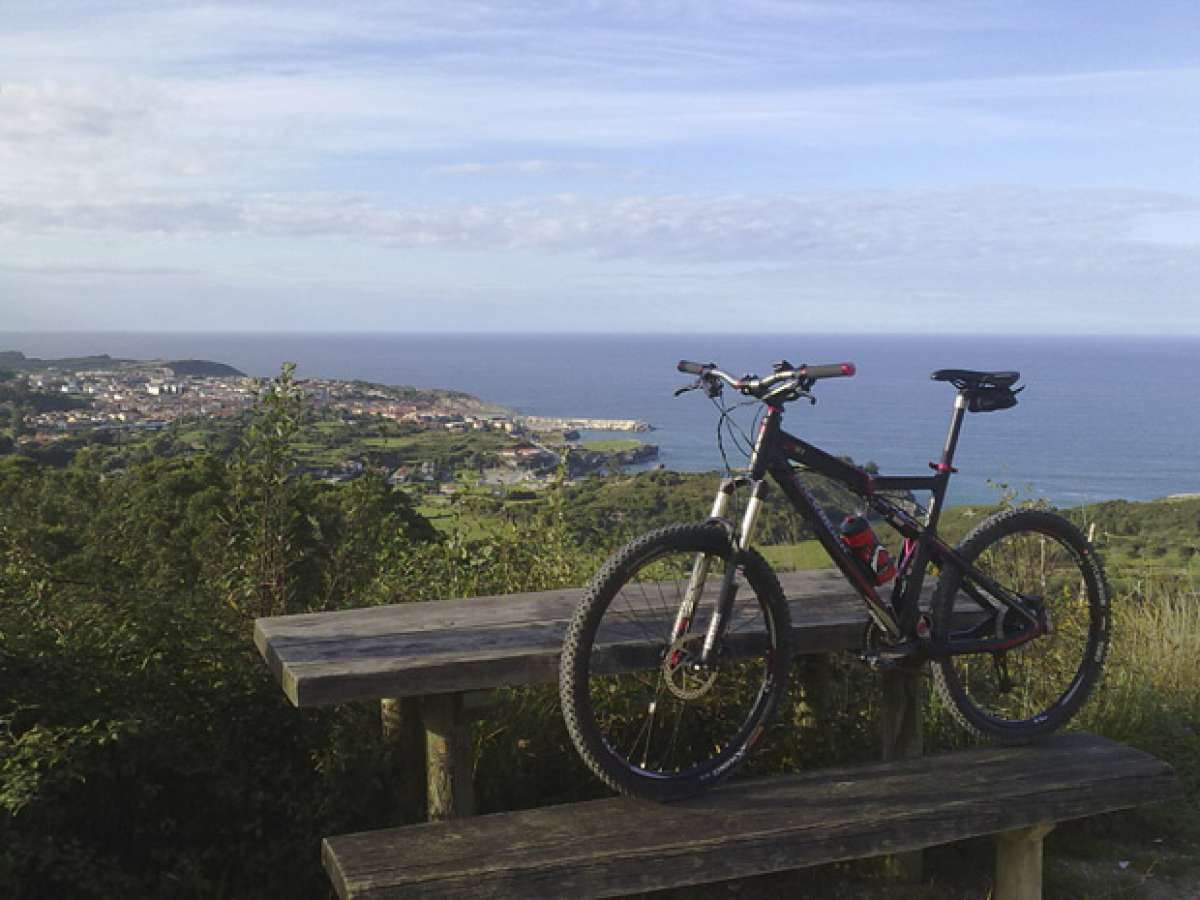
16 420
265 518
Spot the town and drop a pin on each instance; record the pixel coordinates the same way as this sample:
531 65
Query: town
51 400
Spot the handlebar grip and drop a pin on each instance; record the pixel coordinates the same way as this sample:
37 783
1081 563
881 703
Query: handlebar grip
830 370
694 368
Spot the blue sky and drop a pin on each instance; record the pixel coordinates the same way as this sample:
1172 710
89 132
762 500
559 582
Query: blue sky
622 166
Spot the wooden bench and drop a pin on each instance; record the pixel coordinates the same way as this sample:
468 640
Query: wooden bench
426 661
612 847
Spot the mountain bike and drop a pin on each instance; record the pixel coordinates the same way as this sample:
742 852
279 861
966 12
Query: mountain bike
677 657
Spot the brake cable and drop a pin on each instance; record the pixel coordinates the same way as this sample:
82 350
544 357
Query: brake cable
725 421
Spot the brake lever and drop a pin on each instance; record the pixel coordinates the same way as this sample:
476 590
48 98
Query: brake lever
711 386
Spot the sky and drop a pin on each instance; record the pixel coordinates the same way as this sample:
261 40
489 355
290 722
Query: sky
844 166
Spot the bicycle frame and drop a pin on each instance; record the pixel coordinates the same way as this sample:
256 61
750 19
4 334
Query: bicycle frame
899 619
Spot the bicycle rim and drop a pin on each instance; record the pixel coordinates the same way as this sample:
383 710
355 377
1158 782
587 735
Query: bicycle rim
658 713
1037 685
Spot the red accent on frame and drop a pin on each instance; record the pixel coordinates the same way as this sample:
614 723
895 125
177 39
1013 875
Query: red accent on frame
1023 638
848 369
942 468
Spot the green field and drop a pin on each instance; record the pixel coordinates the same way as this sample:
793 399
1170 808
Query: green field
615 445
799 557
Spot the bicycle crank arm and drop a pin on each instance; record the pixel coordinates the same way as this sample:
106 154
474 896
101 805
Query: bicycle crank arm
885 659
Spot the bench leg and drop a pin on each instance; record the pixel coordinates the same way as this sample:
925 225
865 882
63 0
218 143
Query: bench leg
900 719
448 758
1019 863
404 735
816 674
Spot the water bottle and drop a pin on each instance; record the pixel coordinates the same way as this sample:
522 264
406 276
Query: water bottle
876 562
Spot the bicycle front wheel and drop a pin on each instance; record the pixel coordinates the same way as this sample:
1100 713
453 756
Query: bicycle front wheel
1017 695
645 716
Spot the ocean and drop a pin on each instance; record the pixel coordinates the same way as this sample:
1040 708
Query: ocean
1102 417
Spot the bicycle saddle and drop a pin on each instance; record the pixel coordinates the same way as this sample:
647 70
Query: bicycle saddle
969 379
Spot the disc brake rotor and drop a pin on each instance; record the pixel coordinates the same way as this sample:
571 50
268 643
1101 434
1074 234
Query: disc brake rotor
686 678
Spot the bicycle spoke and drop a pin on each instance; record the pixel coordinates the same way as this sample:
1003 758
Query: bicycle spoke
664 713
674 735
1037 682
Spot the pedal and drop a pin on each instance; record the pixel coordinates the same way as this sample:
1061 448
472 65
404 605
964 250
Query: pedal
876 662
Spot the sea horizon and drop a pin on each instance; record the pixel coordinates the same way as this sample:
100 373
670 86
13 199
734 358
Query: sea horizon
1103 417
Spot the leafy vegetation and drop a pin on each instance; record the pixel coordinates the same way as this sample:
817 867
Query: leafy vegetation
14 397
146 751
144 748
606 512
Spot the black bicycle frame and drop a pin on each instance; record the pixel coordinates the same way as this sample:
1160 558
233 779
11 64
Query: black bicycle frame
774 453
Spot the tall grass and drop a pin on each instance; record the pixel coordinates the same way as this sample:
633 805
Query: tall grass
1150 697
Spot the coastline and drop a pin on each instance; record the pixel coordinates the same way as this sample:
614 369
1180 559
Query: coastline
1071 438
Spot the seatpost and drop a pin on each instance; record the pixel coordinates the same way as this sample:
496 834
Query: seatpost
956 420
945 466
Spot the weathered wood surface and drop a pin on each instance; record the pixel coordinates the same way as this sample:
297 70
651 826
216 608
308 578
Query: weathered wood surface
901 720
449 761
486 642
612 847
1019 863
404 733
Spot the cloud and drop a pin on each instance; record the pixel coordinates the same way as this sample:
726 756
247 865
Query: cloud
623 38
89 272
851 226
999 259
530 167
107 98
48 112
688 133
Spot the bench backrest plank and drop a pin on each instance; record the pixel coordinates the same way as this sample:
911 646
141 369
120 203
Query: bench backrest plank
611 847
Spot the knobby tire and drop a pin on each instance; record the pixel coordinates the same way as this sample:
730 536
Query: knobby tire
1047 680
631 729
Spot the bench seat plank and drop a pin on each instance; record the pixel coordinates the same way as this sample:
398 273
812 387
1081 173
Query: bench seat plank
485 642
612 847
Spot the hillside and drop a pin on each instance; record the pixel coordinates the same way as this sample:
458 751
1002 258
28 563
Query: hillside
203 368
16 361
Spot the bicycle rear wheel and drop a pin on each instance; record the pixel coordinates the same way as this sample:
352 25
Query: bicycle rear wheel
644 716
1032 689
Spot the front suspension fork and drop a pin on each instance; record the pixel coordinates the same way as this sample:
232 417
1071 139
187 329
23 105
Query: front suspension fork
728 592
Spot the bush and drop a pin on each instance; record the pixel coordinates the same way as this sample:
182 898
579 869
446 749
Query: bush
144 748
146 751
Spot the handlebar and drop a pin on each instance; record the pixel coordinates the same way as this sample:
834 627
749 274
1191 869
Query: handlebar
799 378
830 370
